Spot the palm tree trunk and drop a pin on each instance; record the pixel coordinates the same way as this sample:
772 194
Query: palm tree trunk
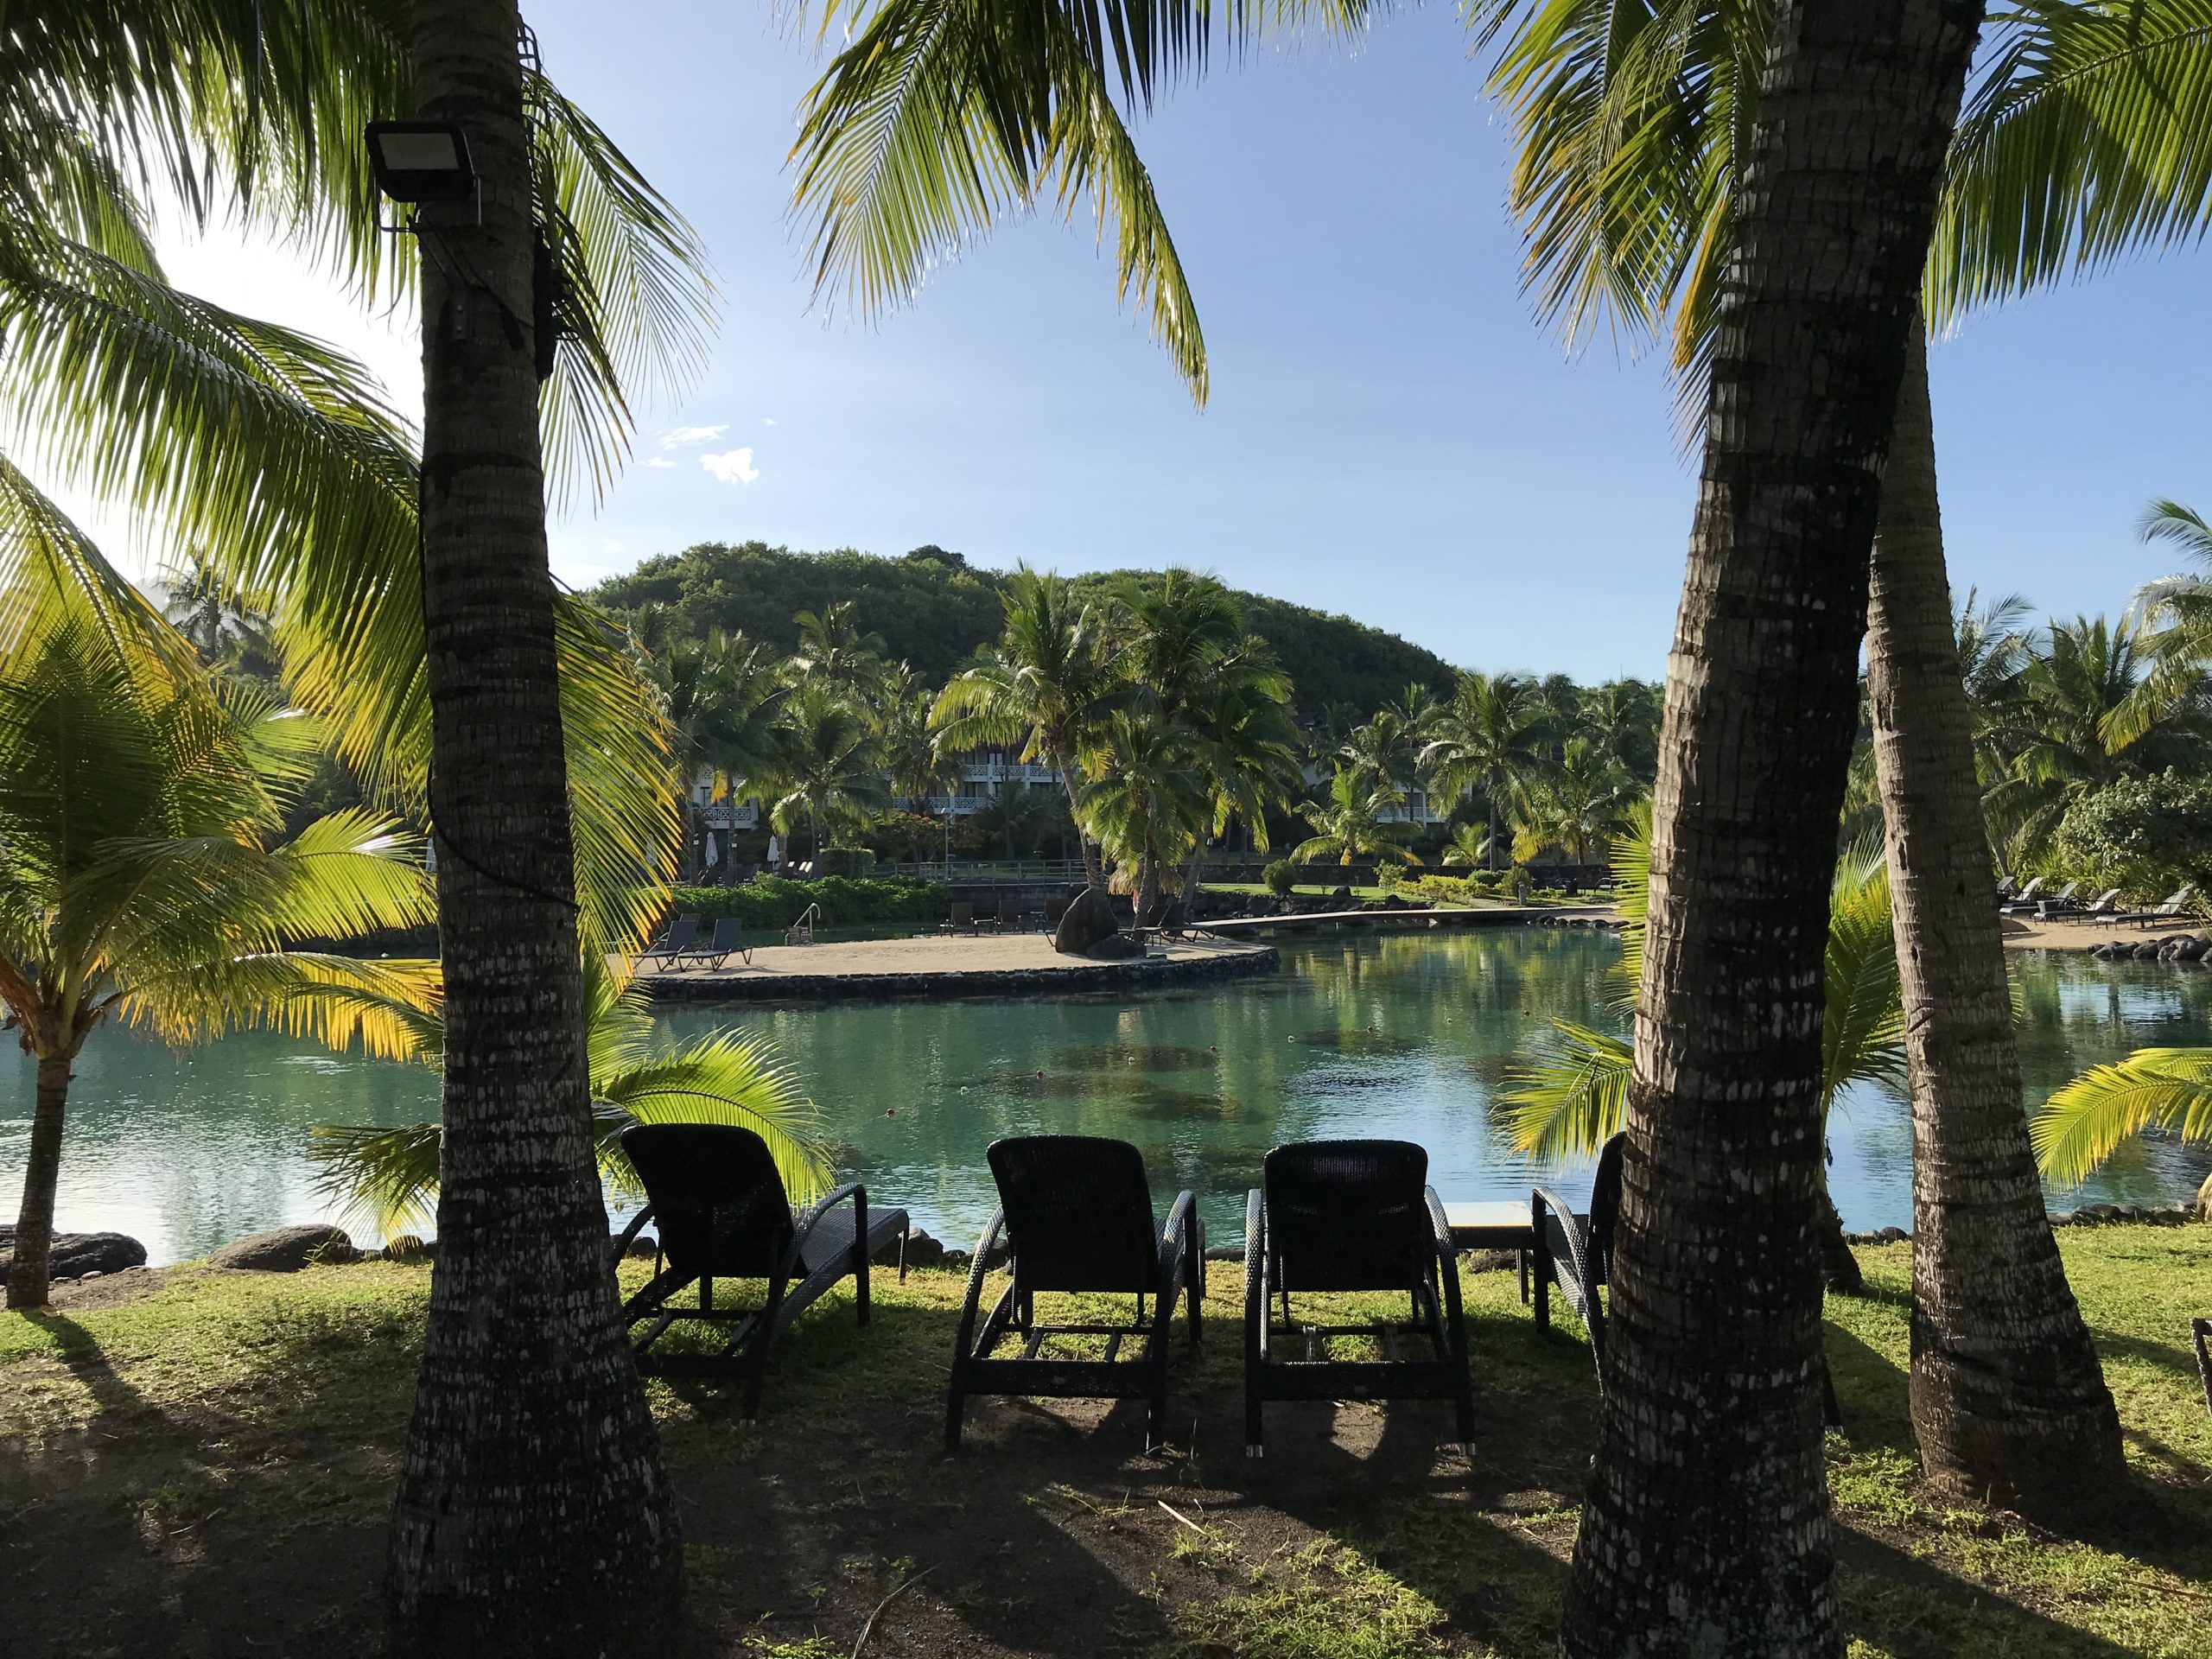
1497 817
1705 1529
2008 1401
532 1514
1090 870
29 1273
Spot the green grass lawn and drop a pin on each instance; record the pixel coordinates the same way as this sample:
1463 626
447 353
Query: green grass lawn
207 1470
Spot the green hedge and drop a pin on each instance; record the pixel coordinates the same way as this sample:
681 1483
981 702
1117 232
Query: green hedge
770 901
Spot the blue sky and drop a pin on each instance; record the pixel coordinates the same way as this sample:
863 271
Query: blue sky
1391 434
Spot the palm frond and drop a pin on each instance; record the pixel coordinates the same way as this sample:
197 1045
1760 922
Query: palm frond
638 311
1570 1095
2088 137
2079 1127
389 1175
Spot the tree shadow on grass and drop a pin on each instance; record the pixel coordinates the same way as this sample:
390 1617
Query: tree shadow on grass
226 1519
1912 1608
799 1526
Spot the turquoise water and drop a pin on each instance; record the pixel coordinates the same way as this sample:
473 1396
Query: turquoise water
1404 1035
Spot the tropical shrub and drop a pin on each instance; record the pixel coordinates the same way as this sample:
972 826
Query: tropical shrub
770 901
1280 876
845 862
2146 835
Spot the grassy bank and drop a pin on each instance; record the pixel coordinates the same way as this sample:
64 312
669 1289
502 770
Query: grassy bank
208 1468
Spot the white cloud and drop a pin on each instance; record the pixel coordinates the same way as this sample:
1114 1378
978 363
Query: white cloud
734 466
770 419
614 547
682 437
654 461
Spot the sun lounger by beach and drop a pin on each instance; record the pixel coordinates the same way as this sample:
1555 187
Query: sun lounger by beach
719 1210
1076 1213
1350 1215
672 944
729 941
2102 908
2174 908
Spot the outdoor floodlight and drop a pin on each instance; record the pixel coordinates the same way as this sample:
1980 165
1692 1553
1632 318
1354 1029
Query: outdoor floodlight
421 161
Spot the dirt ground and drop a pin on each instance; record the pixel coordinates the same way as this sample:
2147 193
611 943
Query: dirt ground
200 1466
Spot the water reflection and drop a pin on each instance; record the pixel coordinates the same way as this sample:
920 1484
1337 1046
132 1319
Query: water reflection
1402 1034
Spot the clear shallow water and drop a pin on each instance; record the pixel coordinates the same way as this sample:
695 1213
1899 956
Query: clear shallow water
1360 1034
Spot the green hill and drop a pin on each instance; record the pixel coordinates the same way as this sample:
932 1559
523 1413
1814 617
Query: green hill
933 609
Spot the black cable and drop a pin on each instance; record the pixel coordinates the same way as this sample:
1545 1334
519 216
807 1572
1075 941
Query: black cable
439 835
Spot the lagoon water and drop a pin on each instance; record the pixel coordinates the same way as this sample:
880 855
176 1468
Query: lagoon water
1404 1035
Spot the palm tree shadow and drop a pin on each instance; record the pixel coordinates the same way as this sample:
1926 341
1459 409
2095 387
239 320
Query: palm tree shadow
1912 1608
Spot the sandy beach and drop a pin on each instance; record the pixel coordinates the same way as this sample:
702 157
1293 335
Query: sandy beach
963 961
2025 933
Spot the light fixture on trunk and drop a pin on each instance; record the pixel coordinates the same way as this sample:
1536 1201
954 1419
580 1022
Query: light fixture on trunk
416 162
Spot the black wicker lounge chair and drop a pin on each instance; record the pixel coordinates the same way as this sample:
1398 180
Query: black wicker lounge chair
1076 1213
719 1210
1350 1215
674 943
1576 1252
729 941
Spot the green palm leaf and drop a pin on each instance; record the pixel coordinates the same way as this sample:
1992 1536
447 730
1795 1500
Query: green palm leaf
2080 1128
2089 138
1570 1095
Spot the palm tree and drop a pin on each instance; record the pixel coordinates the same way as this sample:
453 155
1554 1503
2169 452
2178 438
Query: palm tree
1581 804
1859 156
139 797
914 761
1043 686
1571 1095
1181 642
1383 752
532 1513
2053 741
834 650
1351 825
1494 735
1468 846
418 623
1622 718
1144 805
204 606
1020 816
723 699
830 767
1636 130
1245 740
636 1078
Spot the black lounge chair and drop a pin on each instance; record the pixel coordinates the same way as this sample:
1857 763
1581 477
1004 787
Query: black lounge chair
1077 1214
1350 1215
2173 909
2022 901
2102 908
672 944
1576 1252
962 920
719 1210
729 941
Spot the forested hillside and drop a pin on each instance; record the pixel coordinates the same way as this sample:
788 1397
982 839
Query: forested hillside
933 609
